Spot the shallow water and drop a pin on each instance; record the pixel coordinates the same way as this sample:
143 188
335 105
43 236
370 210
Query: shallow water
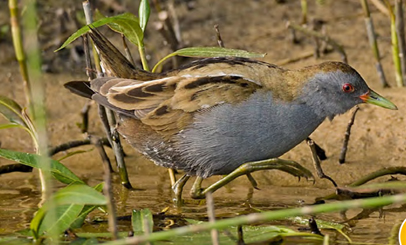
19 198
377 140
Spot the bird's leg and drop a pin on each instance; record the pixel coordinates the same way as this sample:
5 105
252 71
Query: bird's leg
288 166
172 177
178 189
197 192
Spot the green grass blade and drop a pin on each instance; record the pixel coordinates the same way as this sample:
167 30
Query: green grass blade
203 52
58 170
206 52
12 111
11 125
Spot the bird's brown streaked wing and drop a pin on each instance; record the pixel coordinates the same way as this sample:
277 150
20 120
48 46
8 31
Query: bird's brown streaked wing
167 104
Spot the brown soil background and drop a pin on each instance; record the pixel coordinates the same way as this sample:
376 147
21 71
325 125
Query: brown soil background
378 138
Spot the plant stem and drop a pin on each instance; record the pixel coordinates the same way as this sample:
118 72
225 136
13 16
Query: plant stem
395 46
264 217
400 31
38 105
141 50
19 50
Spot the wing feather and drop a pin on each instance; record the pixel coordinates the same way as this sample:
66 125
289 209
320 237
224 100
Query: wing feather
168 104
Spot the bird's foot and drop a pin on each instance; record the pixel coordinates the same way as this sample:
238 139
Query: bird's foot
287 166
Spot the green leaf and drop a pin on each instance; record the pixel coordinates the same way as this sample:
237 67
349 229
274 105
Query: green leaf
207 52
65 215
143 13
12 111
58 170
69 202
141 218
80 219
126 23
79 194
36 222
129 25
86 209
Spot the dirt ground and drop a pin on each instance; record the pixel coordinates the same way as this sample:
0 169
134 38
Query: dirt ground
378 137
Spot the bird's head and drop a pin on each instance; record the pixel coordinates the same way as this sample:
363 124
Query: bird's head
333 88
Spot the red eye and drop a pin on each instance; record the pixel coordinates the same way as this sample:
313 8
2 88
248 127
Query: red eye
348 88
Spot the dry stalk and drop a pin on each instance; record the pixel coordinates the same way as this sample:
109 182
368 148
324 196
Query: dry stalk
344 148
373 42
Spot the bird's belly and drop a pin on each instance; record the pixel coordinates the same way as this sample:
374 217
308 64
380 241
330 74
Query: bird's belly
222 139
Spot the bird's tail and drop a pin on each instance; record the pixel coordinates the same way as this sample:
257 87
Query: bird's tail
115 62
81 88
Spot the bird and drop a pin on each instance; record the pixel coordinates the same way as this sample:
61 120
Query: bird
216 116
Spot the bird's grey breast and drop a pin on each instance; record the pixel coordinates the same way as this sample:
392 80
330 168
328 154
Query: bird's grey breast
228 135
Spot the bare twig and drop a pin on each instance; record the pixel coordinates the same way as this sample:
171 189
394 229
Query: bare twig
381 7
327 39
88 60
295 59
117 148
343 153
316 162
127 50
107 116
212 218
321 153
89 19
84 126
73 144
219 39
108 192
170 33
106 127
16 167
400 31
373 43
175 20
119 153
